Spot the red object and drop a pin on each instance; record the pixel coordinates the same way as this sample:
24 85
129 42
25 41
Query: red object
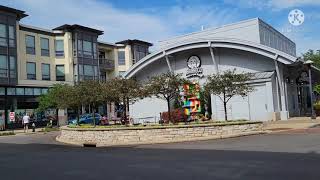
12 116
177 115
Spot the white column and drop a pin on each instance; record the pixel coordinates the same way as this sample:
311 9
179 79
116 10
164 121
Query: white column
284 114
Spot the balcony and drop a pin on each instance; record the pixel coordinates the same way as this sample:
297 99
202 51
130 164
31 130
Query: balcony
106 64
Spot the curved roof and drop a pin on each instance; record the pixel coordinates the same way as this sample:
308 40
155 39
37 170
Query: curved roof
213 42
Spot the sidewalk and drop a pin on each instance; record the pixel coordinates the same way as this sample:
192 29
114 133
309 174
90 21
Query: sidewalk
292 123
21 131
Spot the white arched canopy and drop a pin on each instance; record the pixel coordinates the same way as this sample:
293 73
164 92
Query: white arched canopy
248 46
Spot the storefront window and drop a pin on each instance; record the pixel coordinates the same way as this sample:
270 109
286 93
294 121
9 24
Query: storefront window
20 91
29 91
44 91
11 91
37 91
2 91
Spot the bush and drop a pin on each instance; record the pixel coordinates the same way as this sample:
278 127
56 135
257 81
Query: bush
317 107
177 115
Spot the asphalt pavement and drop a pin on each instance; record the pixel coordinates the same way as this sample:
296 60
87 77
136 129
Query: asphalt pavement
286 155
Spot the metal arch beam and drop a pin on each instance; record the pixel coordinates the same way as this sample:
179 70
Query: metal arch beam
167 59
213 58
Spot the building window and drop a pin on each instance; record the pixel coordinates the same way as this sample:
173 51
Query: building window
2 91
29 91
30 45
37 91
87 49
3 66
3 35
45 69
12 38
12 67
44 42
94 50
60 73
20 91
140 52
59 47
88 72
121 58
31 70
80 48
11 91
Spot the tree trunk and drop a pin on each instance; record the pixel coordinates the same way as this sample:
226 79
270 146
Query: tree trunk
225 107
124 110
93 115
78 115
169 109
57 116
225 111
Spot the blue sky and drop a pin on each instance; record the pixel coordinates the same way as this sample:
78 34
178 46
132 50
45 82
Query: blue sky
155 20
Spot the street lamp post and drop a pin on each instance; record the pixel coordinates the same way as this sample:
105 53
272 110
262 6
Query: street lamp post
309 63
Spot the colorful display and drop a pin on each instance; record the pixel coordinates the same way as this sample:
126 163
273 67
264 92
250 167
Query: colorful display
191 99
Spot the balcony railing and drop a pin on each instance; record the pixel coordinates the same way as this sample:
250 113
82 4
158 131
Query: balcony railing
107 64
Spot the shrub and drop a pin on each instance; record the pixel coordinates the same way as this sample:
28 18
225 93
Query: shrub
317 107
177 115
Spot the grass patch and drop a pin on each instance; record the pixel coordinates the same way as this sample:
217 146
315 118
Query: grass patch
7 134
50 129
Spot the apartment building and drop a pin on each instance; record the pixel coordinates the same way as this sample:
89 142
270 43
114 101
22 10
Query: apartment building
33 59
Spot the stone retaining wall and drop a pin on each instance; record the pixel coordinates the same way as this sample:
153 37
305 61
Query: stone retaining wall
159 134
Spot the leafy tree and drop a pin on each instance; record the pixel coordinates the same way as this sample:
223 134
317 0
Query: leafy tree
125 91
165 86
57 98
313 56
90 93
317 88
228 85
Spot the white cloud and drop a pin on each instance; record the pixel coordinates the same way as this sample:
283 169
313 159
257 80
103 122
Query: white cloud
119 24
274 4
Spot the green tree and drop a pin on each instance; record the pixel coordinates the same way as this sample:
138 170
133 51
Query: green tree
317 88
228 85
313 56
125 91
165 86
90 93
56 98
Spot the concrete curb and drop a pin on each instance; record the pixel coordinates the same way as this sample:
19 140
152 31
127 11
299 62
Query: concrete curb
77 143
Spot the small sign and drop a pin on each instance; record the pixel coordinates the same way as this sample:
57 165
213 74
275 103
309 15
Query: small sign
12 116
194 67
